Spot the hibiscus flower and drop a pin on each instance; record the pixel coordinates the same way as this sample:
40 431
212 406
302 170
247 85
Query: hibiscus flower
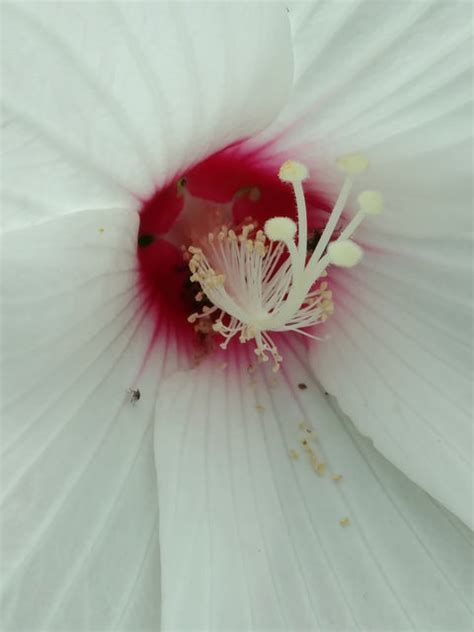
152 480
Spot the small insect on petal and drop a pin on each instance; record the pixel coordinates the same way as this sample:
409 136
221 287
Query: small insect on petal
134 395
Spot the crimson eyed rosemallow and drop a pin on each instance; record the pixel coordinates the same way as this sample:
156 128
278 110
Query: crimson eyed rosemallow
234 243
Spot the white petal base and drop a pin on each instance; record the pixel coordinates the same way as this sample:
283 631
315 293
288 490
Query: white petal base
251 538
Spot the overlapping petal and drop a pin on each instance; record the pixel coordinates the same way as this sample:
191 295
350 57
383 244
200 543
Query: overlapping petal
102 102
393 81
251 537
400 361
80 520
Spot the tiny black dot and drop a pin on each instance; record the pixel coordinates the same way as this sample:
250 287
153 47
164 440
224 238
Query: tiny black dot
145 240
302 387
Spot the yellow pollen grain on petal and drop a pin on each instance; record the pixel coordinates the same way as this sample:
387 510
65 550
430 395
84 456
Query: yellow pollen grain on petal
344 522
352 164
294 455
259 408
336 478
321 469
318 466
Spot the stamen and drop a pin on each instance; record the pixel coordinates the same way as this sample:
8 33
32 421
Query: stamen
345 254
254 289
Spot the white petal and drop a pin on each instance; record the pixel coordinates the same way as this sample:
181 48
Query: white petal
80 547
399 361
105 101
390 79
251 539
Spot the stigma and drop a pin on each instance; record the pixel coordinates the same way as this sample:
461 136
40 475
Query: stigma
261 281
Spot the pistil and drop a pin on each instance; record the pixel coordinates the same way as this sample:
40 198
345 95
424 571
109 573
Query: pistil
262 281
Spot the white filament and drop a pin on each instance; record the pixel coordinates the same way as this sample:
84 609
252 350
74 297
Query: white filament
255 289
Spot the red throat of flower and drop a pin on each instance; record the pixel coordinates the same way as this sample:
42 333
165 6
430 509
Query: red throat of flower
234 251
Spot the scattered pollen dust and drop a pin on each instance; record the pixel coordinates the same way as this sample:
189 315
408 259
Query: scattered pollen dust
306 438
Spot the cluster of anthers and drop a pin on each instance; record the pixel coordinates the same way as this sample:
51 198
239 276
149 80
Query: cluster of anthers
262 281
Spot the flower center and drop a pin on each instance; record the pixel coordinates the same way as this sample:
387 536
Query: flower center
256 281
227 186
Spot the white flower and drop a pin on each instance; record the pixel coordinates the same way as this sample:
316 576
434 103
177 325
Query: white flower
248 524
